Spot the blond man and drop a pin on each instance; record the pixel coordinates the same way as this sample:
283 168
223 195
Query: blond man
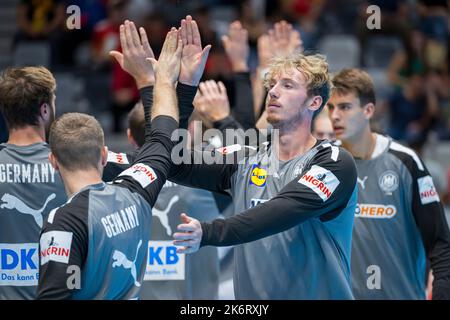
295 221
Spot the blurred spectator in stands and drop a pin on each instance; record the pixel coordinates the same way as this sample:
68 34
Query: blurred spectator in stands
157 28
413 110
408 61
105 39
396 19
68 41
40 20
440 81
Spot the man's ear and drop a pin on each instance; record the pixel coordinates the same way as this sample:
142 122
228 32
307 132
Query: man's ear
53 162
369 110
104 156
315 103
45 111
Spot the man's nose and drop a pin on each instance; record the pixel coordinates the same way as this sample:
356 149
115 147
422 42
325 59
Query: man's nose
273 92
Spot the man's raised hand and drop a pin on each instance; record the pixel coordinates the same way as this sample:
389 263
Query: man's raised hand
135 51
193 58
167 67
236 46
284 39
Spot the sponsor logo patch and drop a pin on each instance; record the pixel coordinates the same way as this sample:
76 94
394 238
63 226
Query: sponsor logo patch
55 246
375 211
427 190
258 176
163 262
19 264
141 173
321 181
120 158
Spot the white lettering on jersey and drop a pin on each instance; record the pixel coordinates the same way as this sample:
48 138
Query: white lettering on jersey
26 173
12 202
141 173
321 181
55 246
121 260
120 221
427 191
120 158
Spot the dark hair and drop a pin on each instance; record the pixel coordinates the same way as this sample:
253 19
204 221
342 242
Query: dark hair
356 81
22 93
136 123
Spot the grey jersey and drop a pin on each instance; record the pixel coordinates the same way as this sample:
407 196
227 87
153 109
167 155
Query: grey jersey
29 189
308 261
397 207
170 275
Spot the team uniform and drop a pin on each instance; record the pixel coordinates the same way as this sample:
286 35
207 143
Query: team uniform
305 211
29 189
399 222
103 229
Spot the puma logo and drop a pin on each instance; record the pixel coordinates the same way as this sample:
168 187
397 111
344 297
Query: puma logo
121 260
12 202
163 215
362 182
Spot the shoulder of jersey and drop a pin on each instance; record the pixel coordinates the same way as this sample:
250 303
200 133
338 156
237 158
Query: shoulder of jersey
53 212
406 154
120 158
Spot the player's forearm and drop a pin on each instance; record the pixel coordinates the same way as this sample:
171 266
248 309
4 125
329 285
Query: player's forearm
185 95
243 110
165 100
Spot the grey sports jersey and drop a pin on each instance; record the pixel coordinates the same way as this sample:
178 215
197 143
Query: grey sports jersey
309 261
170 275
395 193
29 189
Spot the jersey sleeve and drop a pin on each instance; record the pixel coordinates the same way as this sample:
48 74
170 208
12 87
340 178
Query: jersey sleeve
149 171
322 191
430 219
63 247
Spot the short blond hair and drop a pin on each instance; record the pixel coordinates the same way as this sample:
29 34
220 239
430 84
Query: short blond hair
76 140
313 67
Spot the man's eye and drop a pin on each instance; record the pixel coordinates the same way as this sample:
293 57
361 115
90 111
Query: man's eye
288 86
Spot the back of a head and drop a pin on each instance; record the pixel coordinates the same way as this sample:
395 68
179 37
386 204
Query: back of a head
76 140
136 124
313 67
355 81
22 93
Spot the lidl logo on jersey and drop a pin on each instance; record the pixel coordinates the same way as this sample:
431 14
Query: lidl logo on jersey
120 158
321 181
427 190
375 211
19 264
163 262
141 173
55 246
258 176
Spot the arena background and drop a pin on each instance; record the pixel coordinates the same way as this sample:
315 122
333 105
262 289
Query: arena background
404 49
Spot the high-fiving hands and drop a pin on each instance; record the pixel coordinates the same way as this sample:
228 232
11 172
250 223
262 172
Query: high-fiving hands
236 46
189 236
167 67
193 58
135 51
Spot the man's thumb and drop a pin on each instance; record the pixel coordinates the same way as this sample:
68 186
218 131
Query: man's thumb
184 218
